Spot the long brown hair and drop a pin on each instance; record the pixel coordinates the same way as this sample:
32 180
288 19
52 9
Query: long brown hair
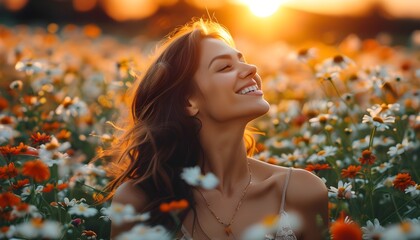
162 138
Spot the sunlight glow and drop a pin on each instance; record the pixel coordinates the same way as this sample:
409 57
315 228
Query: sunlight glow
263 8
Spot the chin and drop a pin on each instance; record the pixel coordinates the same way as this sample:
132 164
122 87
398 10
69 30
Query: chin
259 111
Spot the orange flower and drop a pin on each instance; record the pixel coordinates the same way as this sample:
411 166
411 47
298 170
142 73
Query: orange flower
37 170
8 150
317 167
38 138
345 230
8 171
89 234
351 171
49 127
6 215
9 199
3 103
20 184
63 135
4 230
6 120
62 186
23 207
402 181
22 149
174 206
48 188
367 157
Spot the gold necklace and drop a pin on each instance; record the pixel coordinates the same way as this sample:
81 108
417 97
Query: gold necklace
227 226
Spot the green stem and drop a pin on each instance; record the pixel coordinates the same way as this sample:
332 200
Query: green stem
372 135
345 103
395 206
397 209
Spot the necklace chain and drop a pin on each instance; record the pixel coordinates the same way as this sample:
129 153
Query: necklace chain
227 228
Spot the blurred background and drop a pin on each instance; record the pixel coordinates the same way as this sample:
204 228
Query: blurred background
262 21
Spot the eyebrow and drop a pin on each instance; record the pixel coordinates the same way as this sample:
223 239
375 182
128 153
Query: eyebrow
225 56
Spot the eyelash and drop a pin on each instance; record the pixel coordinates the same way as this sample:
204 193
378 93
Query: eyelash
225 67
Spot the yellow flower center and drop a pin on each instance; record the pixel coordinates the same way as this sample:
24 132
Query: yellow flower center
321 153
270 220
118 209
37 222
51 146
323 119
338 59
384 107
341 191
82 208
405 227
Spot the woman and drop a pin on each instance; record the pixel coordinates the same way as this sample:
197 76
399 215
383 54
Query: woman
191 108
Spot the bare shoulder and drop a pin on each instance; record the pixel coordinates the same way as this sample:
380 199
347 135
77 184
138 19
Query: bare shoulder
266 170
303 185
129 193
307 187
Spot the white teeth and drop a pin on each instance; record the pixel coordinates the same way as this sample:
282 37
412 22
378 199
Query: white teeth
248 89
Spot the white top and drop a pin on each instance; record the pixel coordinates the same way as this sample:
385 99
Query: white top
284 232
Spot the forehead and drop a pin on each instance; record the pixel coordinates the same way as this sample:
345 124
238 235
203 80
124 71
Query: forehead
213 47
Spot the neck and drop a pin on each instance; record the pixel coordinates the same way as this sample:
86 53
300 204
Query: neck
225 155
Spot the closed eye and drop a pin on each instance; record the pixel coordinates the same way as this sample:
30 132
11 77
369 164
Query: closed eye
227 67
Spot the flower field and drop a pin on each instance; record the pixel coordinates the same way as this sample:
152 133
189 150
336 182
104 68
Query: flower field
349 113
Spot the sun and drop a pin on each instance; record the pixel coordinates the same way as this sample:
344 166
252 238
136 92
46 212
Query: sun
263 8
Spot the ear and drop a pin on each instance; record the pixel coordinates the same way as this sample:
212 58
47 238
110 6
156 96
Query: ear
192 106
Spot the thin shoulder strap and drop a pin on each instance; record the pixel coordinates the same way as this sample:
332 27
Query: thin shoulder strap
283 197
186 233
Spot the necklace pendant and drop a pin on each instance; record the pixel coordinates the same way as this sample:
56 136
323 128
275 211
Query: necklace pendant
228 230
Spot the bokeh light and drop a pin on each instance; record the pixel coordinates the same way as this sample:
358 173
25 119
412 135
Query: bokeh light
263 8
14 5
84 5
123 10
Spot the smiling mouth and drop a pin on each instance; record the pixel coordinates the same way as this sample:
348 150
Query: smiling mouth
248 90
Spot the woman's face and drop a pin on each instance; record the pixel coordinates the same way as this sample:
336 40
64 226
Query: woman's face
228 87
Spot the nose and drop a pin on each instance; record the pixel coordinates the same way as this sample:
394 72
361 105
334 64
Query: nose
247 70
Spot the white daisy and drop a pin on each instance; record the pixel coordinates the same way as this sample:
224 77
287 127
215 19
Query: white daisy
413 190
379 120
337 63
29 66
383 167
290 159
193 176
323 154
25 209
82 209
7 133
343 191
120 213
404 230
51 153
144 232
372 230
40 228
72 107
